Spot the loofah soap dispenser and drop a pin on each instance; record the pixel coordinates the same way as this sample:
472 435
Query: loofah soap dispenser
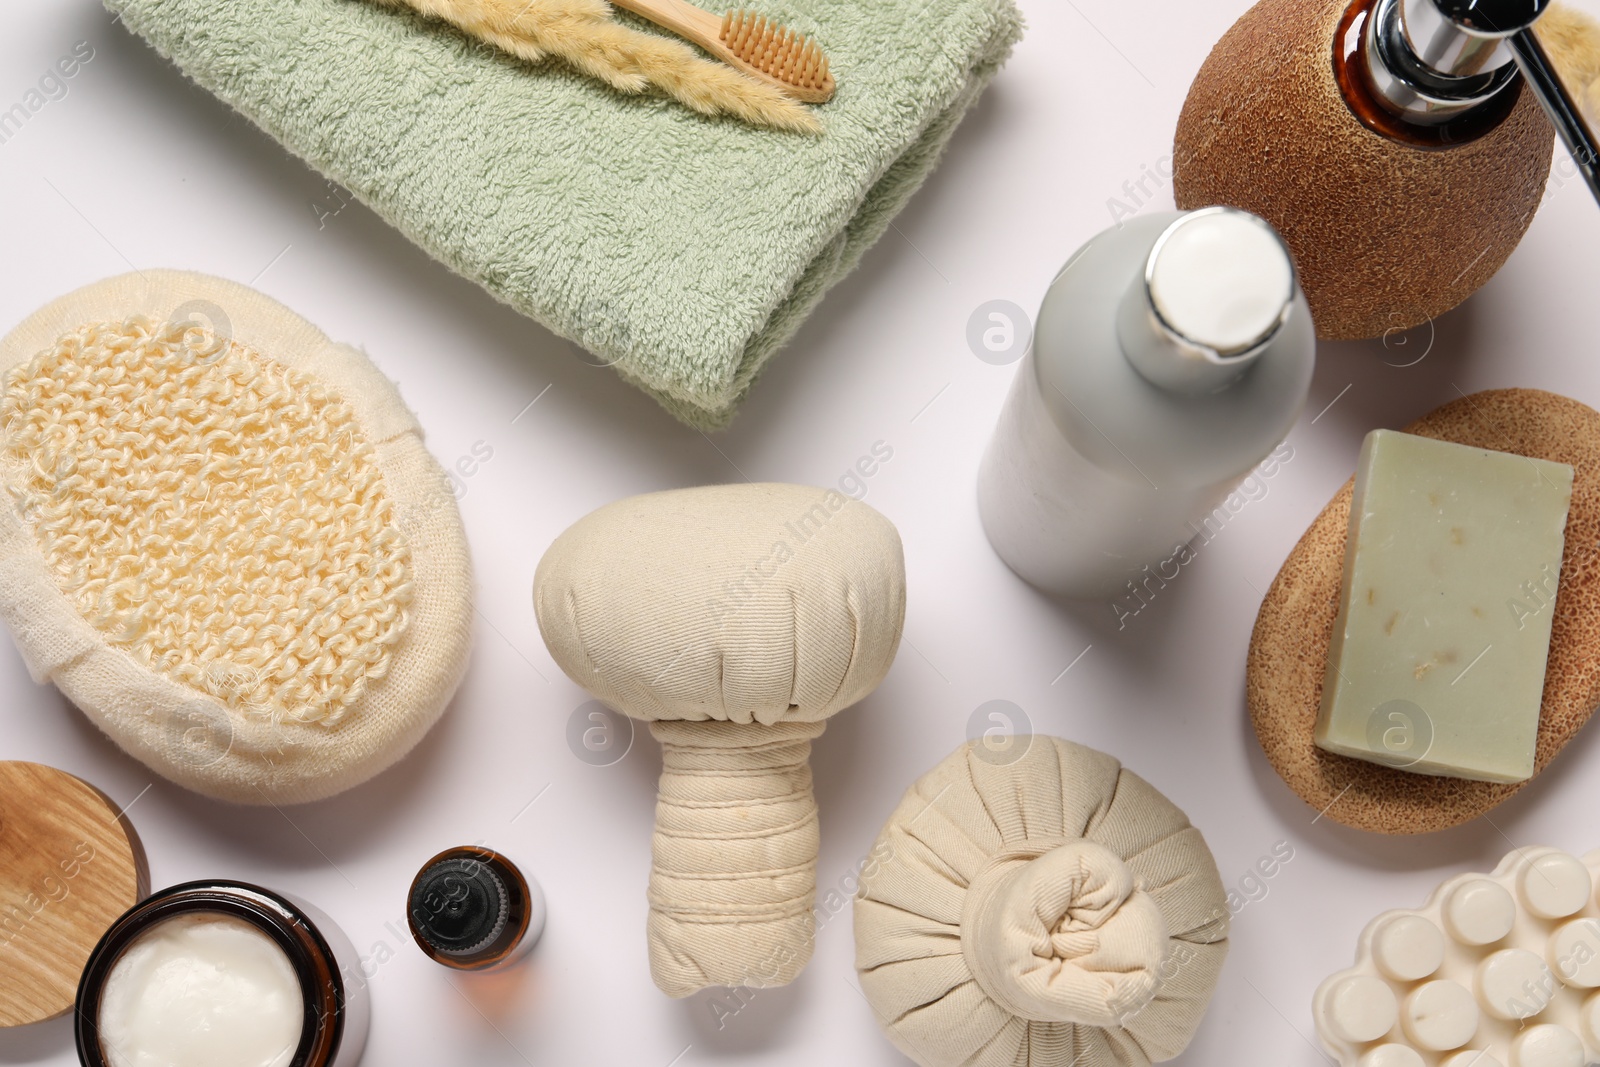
1398 145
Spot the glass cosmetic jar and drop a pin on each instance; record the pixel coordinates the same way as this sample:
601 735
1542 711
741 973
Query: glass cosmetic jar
221 974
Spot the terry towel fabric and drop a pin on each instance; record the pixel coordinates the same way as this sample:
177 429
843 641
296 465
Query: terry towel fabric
682 250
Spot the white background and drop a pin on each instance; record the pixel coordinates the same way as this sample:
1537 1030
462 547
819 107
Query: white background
136 167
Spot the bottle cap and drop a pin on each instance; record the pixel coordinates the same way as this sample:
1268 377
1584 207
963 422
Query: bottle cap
459 906
1218 285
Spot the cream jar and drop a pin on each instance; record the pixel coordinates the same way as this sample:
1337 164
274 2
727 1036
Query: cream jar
219 974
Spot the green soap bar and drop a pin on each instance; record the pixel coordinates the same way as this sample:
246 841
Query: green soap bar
1438 654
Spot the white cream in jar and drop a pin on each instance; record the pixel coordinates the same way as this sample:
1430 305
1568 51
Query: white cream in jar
222 974
202 990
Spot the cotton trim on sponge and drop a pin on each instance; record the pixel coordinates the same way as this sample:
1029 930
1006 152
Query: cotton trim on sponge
225 541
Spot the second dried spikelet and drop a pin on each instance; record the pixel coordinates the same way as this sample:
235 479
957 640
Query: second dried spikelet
583 34
1572 38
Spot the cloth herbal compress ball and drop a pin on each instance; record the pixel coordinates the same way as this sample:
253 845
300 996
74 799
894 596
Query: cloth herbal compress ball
223 538
1049 909
735 619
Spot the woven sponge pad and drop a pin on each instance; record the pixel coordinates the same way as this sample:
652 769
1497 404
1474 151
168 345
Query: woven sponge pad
226 542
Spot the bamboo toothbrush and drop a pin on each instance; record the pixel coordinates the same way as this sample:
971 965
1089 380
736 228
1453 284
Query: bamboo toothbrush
749 42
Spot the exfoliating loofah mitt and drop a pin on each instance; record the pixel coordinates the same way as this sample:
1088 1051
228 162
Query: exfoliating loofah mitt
1048 908
683 251
226 542
734 619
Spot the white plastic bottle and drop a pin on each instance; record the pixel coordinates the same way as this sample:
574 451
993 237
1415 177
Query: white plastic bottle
1171 355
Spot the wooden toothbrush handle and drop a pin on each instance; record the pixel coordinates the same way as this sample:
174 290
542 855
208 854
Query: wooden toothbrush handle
683 19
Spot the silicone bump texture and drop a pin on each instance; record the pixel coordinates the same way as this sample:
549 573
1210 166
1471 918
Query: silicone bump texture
1391 1055
1495 970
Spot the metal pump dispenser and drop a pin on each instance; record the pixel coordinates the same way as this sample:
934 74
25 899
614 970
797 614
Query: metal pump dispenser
1431 61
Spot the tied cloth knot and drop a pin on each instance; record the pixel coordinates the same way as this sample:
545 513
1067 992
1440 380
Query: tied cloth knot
1064 936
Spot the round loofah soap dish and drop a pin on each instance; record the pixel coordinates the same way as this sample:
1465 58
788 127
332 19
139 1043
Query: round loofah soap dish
1289 648
225 541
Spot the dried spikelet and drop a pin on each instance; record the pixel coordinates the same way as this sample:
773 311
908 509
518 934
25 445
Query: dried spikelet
1572 38
583 34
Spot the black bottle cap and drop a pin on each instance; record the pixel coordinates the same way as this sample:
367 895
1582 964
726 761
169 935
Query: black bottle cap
459 906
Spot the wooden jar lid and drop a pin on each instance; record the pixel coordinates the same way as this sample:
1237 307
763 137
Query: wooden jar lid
70 865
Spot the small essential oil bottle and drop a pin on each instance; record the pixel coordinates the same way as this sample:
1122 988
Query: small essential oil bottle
472 909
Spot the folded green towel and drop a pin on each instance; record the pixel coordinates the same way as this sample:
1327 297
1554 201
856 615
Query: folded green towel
681 249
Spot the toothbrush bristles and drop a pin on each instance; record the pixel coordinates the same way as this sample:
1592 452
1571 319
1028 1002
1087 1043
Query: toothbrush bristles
775 51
